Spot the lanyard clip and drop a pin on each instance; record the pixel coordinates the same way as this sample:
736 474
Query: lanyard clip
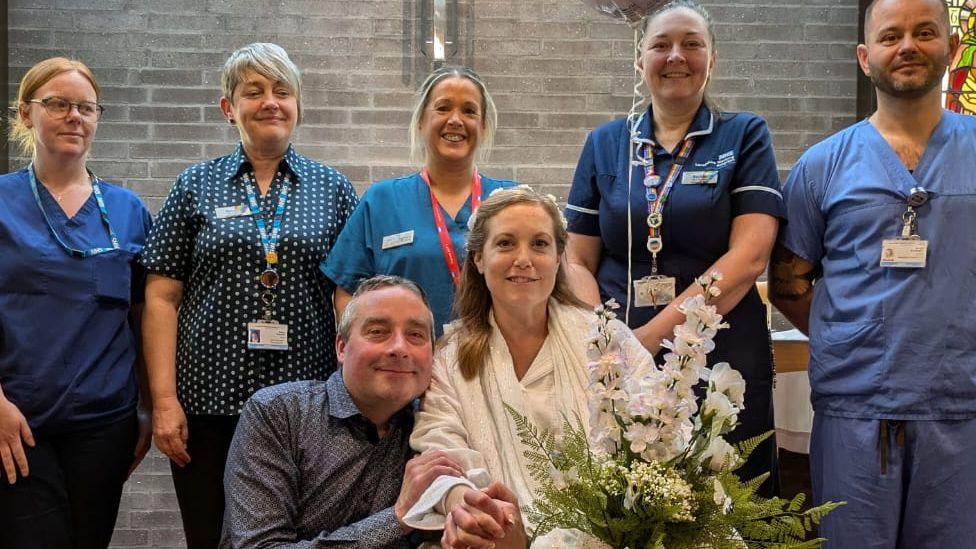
909 225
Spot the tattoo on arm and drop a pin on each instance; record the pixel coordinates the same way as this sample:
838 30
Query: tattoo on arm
790 277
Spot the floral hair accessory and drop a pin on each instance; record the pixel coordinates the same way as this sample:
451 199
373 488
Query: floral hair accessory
473 219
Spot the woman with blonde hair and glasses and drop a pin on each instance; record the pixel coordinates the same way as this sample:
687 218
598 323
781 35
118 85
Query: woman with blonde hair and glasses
520 339
415 226
235 301
70 295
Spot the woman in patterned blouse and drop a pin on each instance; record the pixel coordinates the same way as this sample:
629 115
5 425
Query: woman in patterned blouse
234 300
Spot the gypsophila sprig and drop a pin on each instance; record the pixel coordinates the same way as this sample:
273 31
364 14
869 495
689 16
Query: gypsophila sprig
651 469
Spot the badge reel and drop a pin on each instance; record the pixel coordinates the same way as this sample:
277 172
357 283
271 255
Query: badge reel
654 290
909 250
268 334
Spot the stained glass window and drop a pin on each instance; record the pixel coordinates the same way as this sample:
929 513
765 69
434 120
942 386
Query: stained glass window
960 81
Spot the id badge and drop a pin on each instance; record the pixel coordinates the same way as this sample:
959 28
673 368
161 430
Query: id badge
396 240
226 212
708 177
654 291
907 253
267 336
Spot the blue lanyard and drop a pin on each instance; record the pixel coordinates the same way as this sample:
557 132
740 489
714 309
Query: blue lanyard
97 191
269 241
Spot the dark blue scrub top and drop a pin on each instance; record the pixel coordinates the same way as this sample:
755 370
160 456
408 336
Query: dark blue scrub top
392 207
697 217
67 350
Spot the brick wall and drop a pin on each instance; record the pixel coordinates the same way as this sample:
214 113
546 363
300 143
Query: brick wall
555 67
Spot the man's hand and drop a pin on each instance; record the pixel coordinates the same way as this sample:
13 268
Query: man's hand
420 471
489 519
169 430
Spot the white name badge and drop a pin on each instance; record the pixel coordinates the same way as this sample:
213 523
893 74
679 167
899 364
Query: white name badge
904 252
399 239
267 336
654 291
707 177
225 212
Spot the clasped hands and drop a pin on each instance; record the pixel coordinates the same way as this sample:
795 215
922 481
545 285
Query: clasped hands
475 519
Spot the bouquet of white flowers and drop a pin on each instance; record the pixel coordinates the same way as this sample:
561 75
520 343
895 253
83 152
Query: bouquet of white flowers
651 470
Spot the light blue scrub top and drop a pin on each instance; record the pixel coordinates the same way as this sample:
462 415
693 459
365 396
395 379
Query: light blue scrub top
895 343
392 207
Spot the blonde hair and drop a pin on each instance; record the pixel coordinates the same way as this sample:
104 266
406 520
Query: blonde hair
270 61
472 302
489 113
38 75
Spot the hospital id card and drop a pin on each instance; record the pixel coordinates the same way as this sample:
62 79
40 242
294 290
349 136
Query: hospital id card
654 291
904 252
267 336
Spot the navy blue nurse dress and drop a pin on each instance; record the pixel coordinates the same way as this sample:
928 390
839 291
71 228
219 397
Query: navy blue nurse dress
697 223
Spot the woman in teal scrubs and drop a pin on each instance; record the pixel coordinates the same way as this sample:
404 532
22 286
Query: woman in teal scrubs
415 226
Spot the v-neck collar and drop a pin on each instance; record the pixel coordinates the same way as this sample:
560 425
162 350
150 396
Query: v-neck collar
57 214
895 168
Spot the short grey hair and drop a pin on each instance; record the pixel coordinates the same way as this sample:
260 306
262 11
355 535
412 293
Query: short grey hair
379 282
270 61
489 114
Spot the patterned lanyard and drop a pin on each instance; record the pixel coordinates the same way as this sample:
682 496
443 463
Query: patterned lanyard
97 191
269 241
658 196
450 257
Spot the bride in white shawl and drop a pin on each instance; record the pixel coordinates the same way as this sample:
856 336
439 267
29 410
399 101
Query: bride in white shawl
520 340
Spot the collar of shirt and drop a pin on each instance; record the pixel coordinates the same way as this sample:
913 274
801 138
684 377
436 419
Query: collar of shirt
341 405
702 124
292 162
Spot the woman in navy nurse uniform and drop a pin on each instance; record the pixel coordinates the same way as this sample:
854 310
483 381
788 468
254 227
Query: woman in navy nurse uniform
704 195
69 289
416 226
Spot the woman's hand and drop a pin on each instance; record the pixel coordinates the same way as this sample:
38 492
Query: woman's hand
13 429
169 430
488 519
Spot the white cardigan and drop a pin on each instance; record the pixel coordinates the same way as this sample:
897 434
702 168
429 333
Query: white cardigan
468 416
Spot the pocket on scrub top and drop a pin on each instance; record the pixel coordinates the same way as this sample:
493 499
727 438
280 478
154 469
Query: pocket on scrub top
112 276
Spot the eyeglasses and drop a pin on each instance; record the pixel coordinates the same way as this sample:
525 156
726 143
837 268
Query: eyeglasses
59 107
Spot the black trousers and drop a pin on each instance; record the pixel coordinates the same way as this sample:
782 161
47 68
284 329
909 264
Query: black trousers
200 485
70 498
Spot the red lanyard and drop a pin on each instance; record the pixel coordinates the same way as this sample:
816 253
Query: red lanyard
450 256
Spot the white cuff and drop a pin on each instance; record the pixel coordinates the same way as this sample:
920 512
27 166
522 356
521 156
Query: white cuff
427 513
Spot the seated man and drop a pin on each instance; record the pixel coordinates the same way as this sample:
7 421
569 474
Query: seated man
325 463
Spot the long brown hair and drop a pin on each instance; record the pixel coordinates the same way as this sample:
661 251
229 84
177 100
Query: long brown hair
34 78
472 302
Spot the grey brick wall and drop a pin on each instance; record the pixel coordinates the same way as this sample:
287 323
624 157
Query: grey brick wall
555 67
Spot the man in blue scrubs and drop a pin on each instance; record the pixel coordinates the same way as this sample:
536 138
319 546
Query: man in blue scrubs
878 265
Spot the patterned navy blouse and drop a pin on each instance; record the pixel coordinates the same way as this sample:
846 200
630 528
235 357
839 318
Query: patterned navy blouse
219 258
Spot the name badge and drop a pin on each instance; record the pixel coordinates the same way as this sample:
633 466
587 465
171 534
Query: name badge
654 291
904 252
399 239
237 210
267 336
708 177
